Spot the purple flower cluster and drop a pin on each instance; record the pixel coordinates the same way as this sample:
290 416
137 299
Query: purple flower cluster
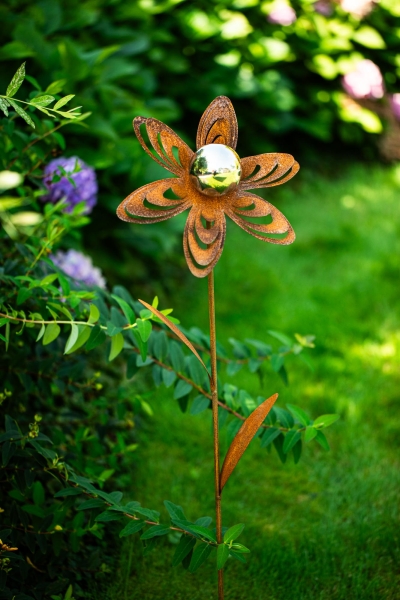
323 7
365 81
84 190
80 267
282 14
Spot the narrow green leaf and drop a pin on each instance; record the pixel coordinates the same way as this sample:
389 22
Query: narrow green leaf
269 436
199 531
233 533
73 336
41 333
182 388
310 434
117 343
325 421
277 361
132 527
299 414
16 81
63 101
278 443
291 438
43 100
281 337
186 544
175 511
20 111
144 328
83 336
321 439
141 344
297 449
107 516
7 336
200 555
168 377
49 279
4 106
23 295
236 547
222 555
177 357
52 332
94 314
155 531
70 491
126 309
97 337
92 503
199 404
238 555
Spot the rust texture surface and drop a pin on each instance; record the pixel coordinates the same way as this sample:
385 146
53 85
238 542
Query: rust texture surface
244 437
204 234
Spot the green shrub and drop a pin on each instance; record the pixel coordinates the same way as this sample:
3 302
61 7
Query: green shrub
168 59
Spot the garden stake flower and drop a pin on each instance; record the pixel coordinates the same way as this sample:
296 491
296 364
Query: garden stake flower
212 182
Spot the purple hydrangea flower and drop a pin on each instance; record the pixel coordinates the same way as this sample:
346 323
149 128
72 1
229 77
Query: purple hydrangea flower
282 14
395 104
80 267
84 190
365 81
323 7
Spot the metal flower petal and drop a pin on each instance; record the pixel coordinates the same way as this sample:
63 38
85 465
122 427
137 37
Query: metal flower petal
203 245
218 125
153 194
267 170
250 205
164 140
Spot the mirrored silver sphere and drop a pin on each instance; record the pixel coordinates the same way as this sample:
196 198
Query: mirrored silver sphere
215 169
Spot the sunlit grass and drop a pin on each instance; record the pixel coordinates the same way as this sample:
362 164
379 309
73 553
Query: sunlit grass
327 528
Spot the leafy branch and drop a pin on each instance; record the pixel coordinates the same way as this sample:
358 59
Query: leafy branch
40 102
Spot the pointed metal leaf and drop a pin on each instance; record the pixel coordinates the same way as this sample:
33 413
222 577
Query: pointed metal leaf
176 331
244 437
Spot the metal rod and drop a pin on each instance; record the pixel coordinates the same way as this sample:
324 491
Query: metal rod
214 394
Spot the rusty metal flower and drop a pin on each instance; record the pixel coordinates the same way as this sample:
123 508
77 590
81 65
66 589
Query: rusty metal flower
212 182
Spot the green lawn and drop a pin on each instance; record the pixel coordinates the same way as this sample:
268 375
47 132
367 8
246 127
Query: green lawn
327 528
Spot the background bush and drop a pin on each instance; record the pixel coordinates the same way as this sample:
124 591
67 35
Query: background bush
168 59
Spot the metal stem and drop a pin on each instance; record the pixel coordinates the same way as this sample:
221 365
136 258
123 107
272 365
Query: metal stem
214 394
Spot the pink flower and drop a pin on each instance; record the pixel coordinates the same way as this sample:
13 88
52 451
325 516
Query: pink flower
358 8
365 81
395 104
282 14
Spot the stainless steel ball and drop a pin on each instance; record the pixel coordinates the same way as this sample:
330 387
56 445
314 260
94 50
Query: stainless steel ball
215 169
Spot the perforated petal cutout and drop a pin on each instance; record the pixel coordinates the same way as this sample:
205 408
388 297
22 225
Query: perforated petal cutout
163 140
134 210
267 170
218 125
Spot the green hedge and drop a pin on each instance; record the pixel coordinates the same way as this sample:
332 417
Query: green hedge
169 59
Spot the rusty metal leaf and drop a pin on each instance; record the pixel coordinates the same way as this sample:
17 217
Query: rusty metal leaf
244 437
176 331
218 125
